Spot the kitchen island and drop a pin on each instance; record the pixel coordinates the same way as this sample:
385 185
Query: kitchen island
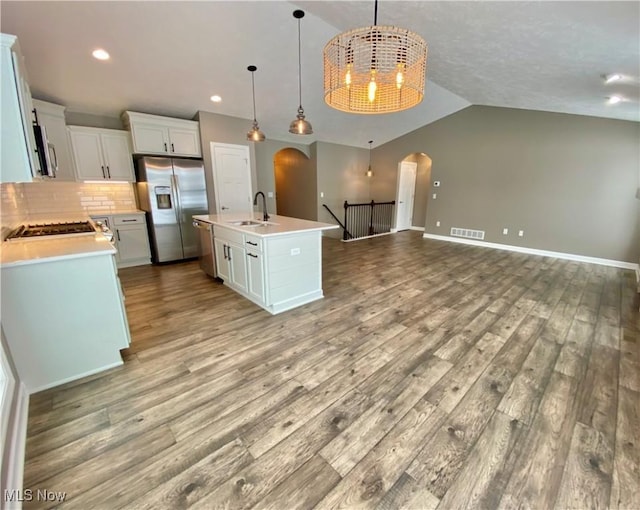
276 264
62 309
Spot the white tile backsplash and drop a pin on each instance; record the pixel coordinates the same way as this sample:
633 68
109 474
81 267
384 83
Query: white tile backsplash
42 201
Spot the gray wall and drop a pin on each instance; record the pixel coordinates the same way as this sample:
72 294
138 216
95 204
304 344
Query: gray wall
296 185
341 176
265 152
568 181
223 129
91 120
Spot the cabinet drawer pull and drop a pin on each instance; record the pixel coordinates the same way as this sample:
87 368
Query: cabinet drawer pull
252 255
108 172
104 176
127 221
165 147
172 149
252 244
118 234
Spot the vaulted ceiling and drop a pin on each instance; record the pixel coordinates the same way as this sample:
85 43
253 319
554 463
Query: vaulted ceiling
168 58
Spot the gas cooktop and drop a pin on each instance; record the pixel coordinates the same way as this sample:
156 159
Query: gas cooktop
47 230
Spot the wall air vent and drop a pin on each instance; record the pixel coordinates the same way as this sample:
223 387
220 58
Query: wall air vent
465 232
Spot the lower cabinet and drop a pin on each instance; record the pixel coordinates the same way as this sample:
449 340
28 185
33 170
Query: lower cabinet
130 238
231 263
255 270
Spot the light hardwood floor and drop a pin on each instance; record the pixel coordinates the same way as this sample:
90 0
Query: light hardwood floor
432 375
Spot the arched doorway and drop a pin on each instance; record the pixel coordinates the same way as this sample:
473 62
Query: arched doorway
414 187
296 184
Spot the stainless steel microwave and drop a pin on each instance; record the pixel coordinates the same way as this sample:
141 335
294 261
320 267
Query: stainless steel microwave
45 149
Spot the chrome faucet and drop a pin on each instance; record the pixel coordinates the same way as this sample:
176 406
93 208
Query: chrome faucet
265 216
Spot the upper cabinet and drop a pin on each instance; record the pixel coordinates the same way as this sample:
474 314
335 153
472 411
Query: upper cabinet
101 154
152 134
51 117
18 158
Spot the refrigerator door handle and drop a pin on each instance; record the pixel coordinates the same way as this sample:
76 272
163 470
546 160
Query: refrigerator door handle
176 198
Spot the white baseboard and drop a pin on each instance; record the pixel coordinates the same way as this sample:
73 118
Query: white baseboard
17 440
420 229
533 251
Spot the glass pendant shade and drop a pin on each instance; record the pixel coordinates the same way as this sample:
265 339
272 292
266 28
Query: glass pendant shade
254 134
375 69
300 126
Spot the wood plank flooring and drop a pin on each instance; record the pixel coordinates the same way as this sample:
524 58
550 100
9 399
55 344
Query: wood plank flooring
432 375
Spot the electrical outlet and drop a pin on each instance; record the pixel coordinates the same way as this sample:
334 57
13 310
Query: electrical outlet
520 233
437 223
505 231
434 196
269 194
322 194
295 251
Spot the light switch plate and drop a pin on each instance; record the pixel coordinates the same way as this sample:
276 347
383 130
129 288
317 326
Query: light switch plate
270 194
295 251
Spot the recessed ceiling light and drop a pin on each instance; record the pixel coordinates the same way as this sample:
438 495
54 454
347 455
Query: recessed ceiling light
100 54
614 99
610 78
216 99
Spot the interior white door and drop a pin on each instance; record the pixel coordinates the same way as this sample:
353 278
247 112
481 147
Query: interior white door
232 178
406 192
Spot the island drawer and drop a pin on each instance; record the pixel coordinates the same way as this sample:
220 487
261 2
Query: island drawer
253 242
227 234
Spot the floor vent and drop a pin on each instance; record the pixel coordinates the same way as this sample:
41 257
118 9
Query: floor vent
465 232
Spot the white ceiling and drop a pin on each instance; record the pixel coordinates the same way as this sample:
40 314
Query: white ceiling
168 58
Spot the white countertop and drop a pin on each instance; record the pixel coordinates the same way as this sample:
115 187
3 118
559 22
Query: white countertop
277 225
33 251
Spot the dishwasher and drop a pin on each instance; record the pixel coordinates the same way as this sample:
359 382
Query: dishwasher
207 255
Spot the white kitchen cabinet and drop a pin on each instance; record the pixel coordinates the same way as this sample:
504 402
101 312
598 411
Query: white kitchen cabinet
18 157
132 240
130 237
101 154
81 325
255 268
51 116
153 134
231 258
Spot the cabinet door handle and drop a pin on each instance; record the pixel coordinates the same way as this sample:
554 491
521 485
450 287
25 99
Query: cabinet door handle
108 172
252 255
224 249
252 244
229 252
172 149
224 208
165 147
118 234
104 176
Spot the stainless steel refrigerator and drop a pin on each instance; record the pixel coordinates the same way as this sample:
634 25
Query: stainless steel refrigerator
171 191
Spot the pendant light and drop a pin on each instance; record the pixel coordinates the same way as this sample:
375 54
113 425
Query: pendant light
254 135
300 126
369 171
376 69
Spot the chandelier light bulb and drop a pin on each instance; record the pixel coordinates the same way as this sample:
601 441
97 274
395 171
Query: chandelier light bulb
614 99
371 90
610 78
